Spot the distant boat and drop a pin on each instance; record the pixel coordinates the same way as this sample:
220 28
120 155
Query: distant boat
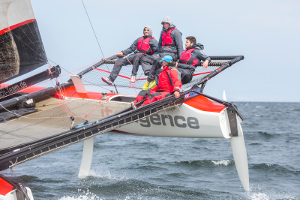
38 120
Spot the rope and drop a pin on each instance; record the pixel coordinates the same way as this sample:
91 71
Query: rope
92 28
120 75
92 110
65 105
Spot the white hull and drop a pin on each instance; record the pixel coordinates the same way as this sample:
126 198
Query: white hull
185 121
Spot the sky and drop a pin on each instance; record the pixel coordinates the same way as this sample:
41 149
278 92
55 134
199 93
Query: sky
266 32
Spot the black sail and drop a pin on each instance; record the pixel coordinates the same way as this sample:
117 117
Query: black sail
21 47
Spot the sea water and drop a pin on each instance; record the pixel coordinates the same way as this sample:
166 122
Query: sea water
135 167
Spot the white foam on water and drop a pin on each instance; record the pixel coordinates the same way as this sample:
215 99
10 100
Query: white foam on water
222 162
87 196
81 197
261 193
103 174
259 196
259 106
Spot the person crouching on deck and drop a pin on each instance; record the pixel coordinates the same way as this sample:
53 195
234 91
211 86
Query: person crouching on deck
191 58
142 47
168 83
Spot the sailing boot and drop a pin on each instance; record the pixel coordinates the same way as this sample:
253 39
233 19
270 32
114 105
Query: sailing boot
106 80
132 80
152 84
146 85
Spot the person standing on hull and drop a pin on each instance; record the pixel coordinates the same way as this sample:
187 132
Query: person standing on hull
191 58
170 43
142 47
169 83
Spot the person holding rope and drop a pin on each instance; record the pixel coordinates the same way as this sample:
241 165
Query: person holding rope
169 83
191 58
142 47
170 43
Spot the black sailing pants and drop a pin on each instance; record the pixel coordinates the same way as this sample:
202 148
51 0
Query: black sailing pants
135 59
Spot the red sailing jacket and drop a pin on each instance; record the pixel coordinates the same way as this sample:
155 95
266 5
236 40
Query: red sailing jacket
143 45
165 84
186 57
167 40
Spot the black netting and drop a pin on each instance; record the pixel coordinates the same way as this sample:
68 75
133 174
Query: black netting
93 77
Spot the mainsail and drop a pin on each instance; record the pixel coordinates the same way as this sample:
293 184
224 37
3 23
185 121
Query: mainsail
21 47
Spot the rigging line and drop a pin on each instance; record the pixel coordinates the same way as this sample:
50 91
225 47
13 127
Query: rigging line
95 84
26 43
33 43
36 33
92 110
65 105
93 29
58 90
59 65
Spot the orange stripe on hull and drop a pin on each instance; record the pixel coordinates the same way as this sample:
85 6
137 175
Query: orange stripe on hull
204 104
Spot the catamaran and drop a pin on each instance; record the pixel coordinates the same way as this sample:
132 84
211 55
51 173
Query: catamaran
38 120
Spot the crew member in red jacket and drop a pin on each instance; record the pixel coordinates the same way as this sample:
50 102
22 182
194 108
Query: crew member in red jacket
168 83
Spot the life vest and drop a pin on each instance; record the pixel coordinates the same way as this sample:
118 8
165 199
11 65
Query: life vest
186 57
143 45
166 38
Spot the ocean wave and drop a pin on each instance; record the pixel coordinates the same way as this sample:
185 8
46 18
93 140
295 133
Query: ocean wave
275 168
138 189
87 196
255 143
207 162
265 134
35 179
26 178
296 109
150 167
223 162
103 174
